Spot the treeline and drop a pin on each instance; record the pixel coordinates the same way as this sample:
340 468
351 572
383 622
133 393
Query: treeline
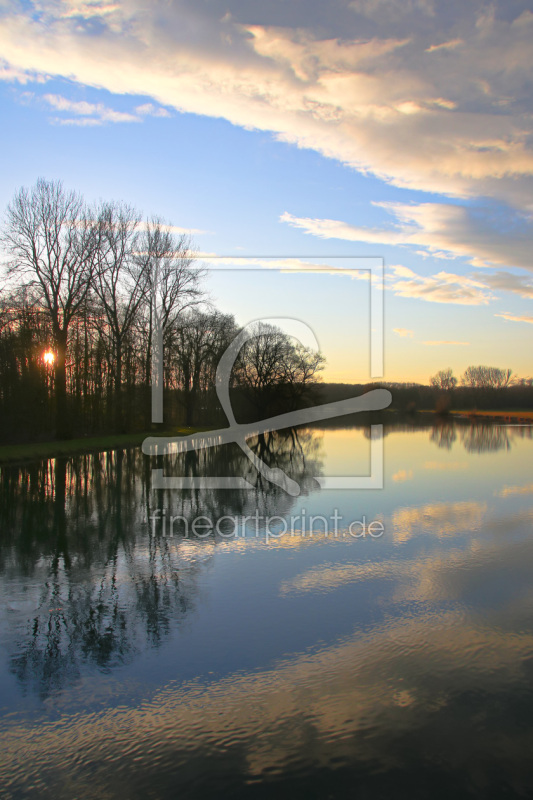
479 377
85 291
481 387
516 394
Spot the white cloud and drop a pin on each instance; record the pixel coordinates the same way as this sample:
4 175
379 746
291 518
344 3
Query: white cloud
90 113
13 74
445 230
80 122
444 287
411 105
177 229
291 264
516 317
149 110
403 332
403 272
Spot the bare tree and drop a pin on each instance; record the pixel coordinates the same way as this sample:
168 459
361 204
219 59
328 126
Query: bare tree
199 340
121 284
444 379
51 246
174 284
274 371
486 377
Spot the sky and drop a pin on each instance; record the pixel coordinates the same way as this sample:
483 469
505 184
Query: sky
303 130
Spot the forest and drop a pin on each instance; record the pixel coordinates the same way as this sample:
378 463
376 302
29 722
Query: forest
83 289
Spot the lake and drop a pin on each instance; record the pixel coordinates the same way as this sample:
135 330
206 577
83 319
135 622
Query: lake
272 645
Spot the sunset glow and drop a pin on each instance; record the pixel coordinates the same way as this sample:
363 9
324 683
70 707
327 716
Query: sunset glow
266 494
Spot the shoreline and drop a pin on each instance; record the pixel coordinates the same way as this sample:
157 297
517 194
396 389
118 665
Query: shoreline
12 454
505 416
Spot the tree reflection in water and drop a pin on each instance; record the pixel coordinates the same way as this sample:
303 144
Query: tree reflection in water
478 437
99 586
444 435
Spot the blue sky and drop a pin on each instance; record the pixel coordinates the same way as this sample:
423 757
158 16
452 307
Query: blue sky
399 129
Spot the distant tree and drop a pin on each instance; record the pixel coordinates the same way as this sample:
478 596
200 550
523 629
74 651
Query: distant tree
50 242
444 379
482 377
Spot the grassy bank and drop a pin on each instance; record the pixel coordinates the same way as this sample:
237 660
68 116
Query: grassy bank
15 453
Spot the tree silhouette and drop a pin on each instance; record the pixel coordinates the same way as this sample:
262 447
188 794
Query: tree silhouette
51 245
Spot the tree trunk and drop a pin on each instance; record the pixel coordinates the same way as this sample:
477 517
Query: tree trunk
189 407
63 426
119 416
148 378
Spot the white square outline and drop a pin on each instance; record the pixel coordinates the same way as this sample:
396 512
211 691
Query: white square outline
374 265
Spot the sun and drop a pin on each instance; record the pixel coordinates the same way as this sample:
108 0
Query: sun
49 357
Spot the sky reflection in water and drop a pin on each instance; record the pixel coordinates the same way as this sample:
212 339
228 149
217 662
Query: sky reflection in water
401 665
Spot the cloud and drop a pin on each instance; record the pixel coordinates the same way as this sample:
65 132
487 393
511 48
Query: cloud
516 317
80 122
12 74
149 110
177 229
444 46
444 287
509 282
436 343
91 113
410 104
510 491
482 236
293 264
440 519
88 10
75 11
402 475
392 9
403 332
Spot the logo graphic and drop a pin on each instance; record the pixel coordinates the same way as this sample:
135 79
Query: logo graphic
374 400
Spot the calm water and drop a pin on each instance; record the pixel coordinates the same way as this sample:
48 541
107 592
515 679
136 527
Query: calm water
298 664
